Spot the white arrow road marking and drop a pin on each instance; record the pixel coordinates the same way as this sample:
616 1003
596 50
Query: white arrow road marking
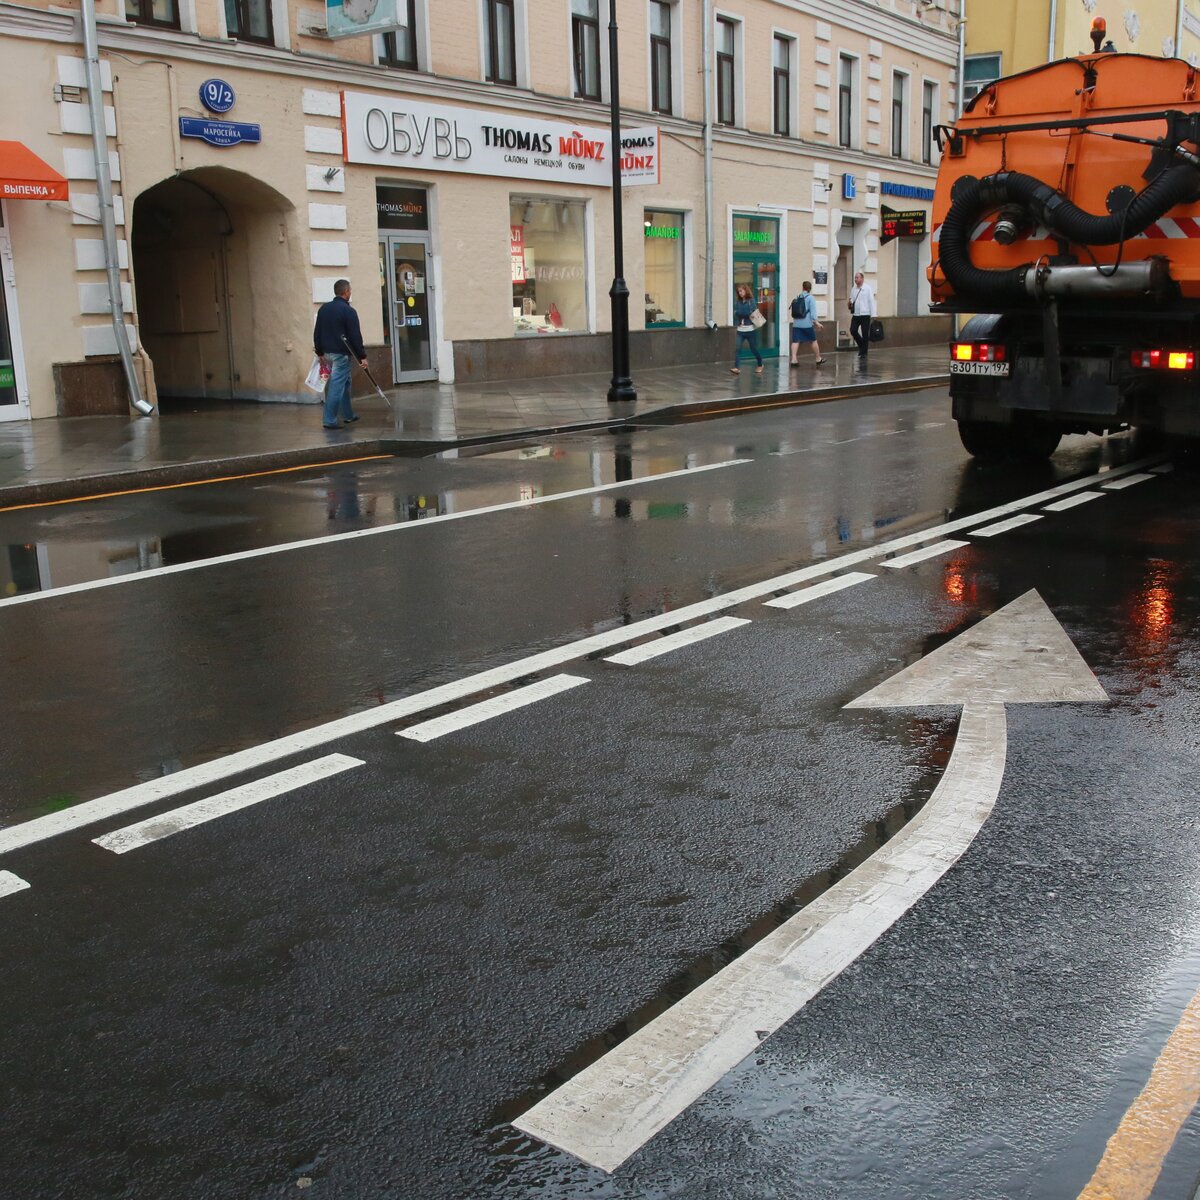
613 1107
938 548
10 883
156 828
1004 526
473 714
675 641
1072 501
804 595
154 790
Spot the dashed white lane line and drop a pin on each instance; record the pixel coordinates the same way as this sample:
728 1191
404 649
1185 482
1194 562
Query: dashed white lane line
426 731
938 548
1072 501
202 774
1004 526
794 599
156 828
10 883
1118 484
351 535
675 641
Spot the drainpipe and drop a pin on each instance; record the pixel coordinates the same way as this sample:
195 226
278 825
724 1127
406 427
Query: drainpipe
708 166
108 223
1050 47
1179 30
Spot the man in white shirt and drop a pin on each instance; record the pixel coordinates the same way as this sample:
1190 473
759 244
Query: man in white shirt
862 310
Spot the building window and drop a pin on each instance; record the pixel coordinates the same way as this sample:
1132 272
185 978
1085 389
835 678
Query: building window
500 40
783 85
899 116
400 46
549 265
978 71
928 106
846 102
153 12
726 71
249 21
666 259
660 56
585 47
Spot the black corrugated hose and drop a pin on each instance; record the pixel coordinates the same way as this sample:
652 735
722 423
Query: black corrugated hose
1049 207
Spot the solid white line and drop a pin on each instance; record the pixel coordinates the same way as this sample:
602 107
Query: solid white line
395 527
673 641
426 731
1163 469
1004 526
613 1107
794 599
10 883
121 841
1129 480
1073 501
138 794
908 560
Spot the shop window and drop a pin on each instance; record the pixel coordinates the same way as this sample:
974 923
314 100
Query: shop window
153 12
726 71
399 48
500 41
585 47
661 92
249 21
666 257
549 265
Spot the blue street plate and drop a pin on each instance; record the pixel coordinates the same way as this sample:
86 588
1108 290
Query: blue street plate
219 133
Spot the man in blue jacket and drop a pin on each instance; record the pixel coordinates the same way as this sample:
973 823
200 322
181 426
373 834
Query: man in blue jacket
336 336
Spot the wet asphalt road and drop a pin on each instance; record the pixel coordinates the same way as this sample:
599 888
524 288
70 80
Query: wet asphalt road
350 990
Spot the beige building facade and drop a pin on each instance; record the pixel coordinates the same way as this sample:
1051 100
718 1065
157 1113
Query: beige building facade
458 173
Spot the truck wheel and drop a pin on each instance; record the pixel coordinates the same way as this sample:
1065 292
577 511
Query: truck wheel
987 441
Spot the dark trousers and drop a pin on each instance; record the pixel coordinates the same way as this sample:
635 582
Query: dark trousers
747 339
860 328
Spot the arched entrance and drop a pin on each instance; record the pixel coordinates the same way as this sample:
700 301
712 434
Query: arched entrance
221 287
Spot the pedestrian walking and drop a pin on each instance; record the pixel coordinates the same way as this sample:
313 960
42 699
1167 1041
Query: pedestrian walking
862 311
805 325
337 329
744 309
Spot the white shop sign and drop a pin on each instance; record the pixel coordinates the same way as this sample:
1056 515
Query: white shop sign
640 162
390 131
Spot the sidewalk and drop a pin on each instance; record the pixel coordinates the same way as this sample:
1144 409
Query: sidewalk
81 456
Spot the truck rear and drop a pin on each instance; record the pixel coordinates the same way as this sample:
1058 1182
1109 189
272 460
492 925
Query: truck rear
1067 219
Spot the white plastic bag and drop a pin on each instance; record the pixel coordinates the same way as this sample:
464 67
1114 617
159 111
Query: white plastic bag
315 380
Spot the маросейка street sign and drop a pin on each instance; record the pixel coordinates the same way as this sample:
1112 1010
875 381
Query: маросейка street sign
219 133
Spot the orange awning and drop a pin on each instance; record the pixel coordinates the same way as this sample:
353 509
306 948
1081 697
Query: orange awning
23 176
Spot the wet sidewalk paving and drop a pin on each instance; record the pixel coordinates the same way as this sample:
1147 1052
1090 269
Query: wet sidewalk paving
58 458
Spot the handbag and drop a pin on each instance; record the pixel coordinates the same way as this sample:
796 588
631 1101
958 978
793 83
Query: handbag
875 331
757 319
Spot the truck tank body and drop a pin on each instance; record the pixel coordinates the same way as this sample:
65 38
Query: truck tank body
1067 211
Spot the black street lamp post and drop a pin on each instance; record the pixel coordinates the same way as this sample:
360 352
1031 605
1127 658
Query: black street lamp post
621 387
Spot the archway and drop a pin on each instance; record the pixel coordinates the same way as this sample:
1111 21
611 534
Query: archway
221 287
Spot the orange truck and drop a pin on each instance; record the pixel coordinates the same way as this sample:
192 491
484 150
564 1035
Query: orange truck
1067 219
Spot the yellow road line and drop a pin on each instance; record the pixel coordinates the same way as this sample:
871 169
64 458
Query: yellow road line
1136 1152
168 487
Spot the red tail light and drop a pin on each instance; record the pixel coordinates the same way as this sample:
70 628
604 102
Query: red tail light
977 352
1163 360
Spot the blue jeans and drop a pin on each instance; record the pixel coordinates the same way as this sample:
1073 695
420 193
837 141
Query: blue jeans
747 339
337 390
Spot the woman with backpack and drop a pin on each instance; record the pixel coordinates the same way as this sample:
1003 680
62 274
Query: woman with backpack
805 324
747 332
